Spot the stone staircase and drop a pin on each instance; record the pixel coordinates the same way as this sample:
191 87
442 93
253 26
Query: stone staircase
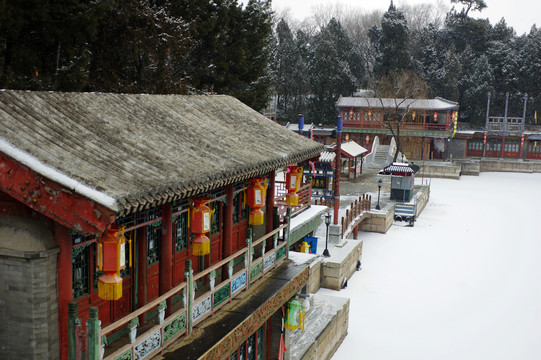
380 157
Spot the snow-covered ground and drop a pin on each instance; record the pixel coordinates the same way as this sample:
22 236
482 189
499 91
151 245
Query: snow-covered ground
464 283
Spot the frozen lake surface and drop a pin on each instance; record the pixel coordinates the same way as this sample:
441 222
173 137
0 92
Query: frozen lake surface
464 283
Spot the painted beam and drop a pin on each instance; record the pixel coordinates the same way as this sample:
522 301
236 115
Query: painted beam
436 134
52 199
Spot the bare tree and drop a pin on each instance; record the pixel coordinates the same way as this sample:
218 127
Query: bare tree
419 16
396 94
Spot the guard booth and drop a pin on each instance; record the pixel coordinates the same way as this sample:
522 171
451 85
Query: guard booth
402 180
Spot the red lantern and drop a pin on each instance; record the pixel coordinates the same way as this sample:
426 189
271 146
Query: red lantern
200 226
413 115
367 139
351 113
256 200
111 259
435 116
293 184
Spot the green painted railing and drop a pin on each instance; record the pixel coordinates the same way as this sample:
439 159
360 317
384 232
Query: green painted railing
196 305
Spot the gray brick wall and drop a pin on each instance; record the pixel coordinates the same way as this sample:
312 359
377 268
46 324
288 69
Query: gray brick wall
28 304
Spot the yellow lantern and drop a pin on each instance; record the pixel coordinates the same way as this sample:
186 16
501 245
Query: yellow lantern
293 184
200 226
256 200
111 259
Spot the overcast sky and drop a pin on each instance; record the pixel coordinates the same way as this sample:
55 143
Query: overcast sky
520 14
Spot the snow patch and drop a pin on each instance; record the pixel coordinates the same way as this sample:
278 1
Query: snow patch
55 175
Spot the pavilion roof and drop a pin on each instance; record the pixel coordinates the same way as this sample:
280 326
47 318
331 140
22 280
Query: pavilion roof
126 151
436 104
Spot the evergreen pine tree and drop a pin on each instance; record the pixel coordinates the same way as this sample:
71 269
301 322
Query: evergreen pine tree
46 45
334 71
475 84
391 43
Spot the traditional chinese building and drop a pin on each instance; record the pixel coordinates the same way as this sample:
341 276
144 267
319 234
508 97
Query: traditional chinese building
503 137
176 193
428 123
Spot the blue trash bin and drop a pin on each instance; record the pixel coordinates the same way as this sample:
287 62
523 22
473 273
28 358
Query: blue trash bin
312 241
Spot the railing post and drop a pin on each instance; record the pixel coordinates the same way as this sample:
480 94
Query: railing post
249 255
288 217
188 273
93 328
230 268
73 310
132 329
212 277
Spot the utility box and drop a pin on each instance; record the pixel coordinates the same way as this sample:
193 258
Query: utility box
402 180
402 187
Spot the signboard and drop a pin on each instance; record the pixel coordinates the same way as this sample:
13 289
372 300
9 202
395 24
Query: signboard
319 182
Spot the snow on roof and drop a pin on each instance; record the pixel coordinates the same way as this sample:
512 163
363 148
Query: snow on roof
436 104
327 156
401 168
308 214
126 151
353 149
295 127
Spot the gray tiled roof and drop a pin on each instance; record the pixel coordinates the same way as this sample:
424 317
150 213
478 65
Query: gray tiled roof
141 149
413 104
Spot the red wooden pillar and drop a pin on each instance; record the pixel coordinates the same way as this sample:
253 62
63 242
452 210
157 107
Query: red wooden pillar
503 146
356 232
337 170
270 201
166 252
141 270
65 285
227 244
269 208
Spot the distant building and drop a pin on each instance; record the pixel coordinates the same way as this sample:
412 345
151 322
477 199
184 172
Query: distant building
427 127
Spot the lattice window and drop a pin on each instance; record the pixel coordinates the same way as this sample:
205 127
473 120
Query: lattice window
181 222
236 207
260 343
154 232
244 208
251 347
242 351
216 220
80 264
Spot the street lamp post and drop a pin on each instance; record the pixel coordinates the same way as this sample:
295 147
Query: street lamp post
380 181
327 222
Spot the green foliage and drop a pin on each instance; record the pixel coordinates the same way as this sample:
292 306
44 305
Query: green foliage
147 46
46 45
391 43
311 73
139 49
